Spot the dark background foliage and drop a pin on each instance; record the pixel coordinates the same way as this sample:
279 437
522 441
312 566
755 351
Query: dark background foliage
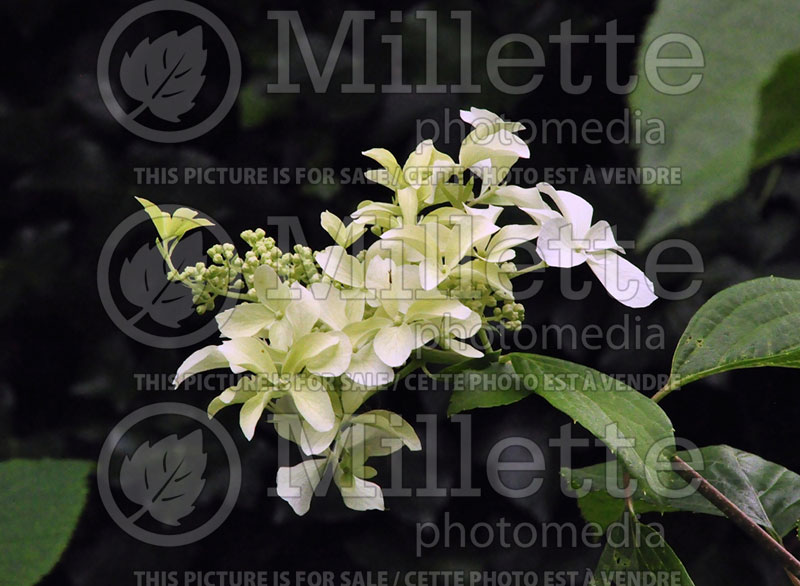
66 372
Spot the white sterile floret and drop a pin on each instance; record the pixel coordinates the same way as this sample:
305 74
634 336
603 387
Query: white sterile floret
571 239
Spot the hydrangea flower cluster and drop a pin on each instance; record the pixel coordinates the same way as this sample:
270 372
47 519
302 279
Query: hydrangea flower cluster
317 333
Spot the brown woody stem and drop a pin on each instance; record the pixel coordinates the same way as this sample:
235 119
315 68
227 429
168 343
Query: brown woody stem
771 546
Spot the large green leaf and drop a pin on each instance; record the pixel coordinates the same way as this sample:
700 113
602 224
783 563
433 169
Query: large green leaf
755 323
779 121
493 386
768 493
637 554
600 403
710 131
40 502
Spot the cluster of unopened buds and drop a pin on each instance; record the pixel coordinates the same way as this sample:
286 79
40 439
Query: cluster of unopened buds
318 333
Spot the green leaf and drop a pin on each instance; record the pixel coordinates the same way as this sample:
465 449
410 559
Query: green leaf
768 493
711 130
40 502
637 554
755 323
493 386
779 122
600 403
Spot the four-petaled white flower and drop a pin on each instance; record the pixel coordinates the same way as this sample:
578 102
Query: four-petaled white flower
570 238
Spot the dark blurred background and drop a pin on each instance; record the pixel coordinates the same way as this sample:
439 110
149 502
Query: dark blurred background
67 372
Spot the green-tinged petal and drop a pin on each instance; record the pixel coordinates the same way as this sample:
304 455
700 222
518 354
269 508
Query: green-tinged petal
248 354
271 291
433 308
341 267
307 348
409 205
394 345
498 248
462 348
312 401
343 235
336 309
161 219
207 358
353 396
244 320
360 332
431 273
251 412
368 371
183 220
332 361
392 424
381 214
296 485
386 160
358 494
242 391
467 232
303 312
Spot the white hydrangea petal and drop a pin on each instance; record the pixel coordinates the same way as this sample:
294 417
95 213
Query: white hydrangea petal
394 345
522 197
292 427
207 358
623 281
574 208
296 485
475 116
601 237
556 246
